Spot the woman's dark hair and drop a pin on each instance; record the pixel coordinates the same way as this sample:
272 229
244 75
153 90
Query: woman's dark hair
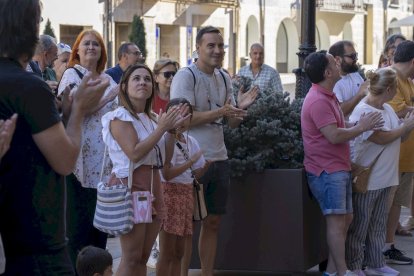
315 65
177 101
19 28
390 43
92 260
123 96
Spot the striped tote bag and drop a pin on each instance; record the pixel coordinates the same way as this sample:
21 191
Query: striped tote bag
114 210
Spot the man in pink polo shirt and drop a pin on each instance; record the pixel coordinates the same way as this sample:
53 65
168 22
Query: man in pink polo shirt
327 155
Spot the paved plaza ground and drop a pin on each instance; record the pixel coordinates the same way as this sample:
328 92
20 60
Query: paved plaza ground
405 244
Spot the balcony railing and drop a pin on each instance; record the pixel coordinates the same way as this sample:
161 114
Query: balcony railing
341 5
226 3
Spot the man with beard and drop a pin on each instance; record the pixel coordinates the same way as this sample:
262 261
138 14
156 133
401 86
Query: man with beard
351 88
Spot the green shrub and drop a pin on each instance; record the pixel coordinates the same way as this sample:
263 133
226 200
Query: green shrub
269 137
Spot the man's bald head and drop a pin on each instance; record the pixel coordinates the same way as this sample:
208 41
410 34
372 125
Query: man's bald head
257 55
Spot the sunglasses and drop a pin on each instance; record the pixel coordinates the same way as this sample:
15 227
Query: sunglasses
168 74
353 56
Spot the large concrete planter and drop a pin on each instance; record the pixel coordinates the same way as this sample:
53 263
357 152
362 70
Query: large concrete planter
272 224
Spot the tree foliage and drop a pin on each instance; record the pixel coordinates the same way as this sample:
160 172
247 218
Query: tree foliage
269 137
138 34
48 29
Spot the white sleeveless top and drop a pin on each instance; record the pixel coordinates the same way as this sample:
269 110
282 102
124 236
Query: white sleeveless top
144 128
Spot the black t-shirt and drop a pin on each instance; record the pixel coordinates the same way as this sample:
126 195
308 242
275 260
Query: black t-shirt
31 193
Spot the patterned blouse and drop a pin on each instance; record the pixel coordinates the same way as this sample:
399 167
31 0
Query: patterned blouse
89 163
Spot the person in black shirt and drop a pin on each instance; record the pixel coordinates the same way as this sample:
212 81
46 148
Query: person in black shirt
31 184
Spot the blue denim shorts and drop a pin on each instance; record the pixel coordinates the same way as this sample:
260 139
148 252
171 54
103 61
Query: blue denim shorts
332 191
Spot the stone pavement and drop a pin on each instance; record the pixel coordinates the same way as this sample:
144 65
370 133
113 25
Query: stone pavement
405 244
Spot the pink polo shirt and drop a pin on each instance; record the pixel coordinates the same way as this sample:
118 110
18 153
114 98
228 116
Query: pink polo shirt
321 108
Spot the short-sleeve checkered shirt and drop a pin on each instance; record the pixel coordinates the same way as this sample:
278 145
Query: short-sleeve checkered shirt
267 78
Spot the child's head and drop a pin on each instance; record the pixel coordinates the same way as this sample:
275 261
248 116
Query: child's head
94 261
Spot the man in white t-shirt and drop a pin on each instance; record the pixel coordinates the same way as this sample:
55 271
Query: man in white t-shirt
351 88
209 91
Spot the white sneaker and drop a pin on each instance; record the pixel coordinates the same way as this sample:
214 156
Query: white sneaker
408 223
350 273
382 271
153 258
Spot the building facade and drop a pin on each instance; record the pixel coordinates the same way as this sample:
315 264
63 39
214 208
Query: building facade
171 26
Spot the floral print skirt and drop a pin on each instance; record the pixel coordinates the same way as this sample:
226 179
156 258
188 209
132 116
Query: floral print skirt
179 202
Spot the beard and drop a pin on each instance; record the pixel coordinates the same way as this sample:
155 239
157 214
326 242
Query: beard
349 68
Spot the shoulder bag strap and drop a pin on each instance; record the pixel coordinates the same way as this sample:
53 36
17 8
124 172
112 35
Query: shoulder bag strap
192 73
186 156
103 163
78 72
376 159
224 79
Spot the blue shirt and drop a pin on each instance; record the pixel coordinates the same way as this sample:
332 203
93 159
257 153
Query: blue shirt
115 72
267 78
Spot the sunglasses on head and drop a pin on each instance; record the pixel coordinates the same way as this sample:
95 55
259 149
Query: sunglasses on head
353 56
168 74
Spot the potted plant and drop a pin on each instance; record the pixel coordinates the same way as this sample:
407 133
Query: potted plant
269 137
272 223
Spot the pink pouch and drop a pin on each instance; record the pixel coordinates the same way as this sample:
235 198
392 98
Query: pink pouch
142 203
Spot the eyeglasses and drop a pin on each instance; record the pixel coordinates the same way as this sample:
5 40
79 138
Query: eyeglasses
137 53
353 56
168 74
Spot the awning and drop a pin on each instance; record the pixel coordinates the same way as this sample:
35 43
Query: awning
407 21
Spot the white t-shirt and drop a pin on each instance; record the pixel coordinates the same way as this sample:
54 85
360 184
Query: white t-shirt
191 147
208 93
385 171
144 127
348 86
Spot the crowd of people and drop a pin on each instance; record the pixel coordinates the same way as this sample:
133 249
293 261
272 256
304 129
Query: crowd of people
346 119
62 114
68 115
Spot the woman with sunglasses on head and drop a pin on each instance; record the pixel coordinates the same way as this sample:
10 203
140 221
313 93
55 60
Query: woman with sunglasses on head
132 132
164 71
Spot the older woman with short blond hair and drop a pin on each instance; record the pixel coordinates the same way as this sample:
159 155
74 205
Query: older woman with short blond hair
380 149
